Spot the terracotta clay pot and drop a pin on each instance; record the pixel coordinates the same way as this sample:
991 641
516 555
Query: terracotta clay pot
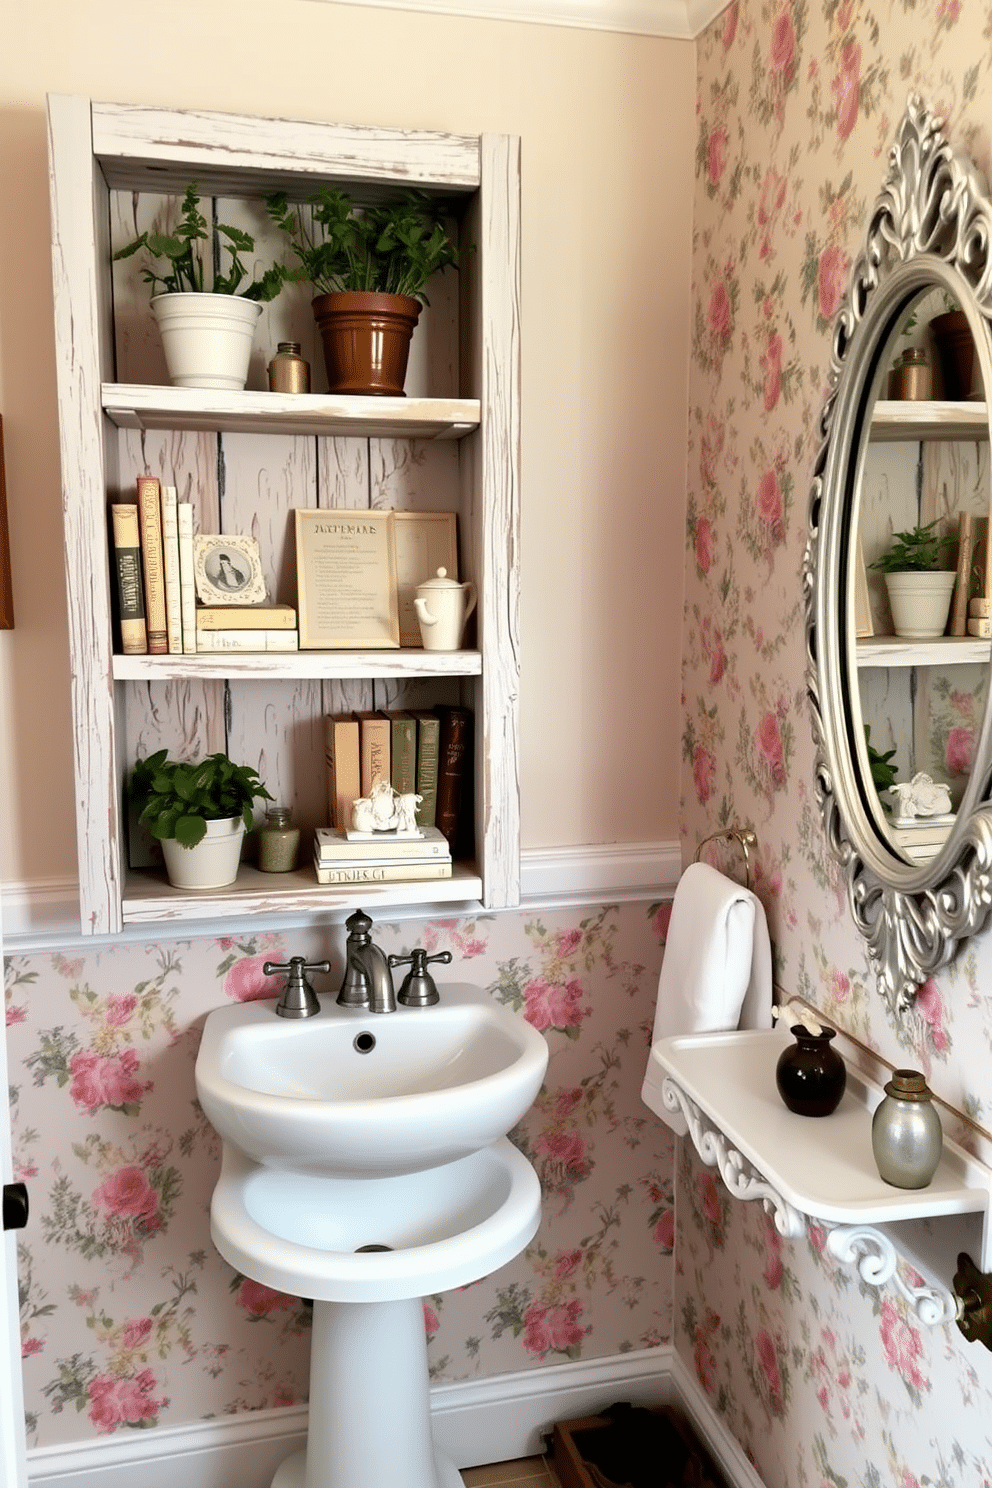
366 339
955 352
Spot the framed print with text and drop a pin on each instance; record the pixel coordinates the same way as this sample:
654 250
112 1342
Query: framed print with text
346 580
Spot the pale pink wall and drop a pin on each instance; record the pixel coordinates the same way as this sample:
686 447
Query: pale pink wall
606 124
822 1382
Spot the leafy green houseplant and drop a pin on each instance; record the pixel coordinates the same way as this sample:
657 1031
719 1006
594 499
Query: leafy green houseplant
369 266
177 799
919 589
187 249
206 321
389 249
199 813
917 551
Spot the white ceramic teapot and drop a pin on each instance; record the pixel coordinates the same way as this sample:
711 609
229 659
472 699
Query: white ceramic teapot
443 605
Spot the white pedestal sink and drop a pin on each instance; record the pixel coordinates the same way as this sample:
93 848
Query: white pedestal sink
366 1165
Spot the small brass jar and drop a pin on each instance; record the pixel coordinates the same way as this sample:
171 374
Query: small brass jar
288 371
906 1135
910 377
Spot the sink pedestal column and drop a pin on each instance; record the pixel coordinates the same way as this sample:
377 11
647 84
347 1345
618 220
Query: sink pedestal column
370 1421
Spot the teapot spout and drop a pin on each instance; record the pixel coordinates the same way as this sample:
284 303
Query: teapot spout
423 613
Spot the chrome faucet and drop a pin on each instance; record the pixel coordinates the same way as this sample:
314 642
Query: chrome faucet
368 980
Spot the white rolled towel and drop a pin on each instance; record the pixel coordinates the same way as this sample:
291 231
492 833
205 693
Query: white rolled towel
717 971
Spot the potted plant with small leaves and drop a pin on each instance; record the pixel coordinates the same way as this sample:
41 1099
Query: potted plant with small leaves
919 589
369 267
199 812
206 320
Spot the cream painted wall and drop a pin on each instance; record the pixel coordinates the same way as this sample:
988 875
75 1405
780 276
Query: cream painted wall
607 124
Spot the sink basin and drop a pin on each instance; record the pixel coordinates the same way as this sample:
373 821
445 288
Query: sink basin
351 1093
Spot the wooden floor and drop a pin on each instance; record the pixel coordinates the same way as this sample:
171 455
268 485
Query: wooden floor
527 1472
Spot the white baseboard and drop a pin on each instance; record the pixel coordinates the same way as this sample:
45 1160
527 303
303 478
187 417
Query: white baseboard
43 914
475 1421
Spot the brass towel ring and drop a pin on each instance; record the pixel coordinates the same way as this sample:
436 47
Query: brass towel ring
745 840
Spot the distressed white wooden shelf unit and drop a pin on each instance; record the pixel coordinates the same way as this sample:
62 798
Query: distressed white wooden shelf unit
246 460
820 1171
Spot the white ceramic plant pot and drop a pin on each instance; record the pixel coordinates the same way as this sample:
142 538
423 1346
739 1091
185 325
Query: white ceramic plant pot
920 603
212 863
207 338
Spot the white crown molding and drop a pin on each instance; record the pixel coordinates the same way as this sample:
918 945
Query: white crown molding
676 20
43 914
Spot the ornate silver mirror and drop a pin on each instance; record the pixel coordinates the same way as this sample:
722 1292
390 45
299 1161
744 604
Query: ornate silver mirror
908 709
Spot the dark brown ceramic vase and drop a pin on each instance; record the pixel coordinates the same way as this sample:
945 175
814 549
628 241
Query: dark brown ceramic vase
366 339
810 1075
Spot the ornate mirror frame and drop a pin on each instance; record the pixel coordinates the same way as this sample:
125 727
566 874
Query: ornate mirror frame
931 227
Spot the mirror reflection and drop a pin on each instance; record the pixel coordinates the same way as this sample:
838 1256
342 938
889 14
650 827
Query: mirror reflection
920 577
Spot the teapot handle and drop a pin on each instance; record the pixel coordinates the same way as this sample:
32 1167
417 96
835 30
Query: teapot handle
471 595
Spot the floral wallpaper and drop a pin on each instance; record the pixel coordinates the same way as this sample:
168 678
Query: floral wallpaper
129 1317
823 1382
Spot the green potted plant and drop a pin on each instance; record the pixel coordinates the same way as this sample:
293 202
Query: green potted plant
206 321
199 812
369 267
919 589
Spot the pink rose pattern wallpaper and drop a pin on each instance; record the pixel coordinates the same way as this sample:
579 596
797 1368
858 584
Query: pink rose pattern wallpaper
131 1320
825 1383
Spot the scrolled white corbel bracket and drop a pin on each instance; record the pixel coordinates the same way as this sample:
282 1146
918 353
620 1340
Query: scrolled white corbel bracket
876 1260
742 1179
867 1249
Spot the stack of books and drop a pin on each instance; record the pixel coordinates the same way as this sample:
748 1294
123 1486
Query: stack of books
921 838
341 857
428 753
157 613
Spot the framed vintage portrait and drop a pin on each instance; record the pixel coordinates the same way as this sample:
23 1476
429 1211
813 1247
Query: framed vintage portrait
424 542
227 569
346 580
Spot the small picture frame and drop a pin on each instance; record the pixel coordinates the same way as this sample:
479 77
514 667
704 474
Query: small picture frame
424 542
227 569
346 579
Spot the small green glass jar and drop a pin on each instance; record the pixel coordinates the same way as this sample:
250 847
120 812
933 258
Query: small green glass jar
278 842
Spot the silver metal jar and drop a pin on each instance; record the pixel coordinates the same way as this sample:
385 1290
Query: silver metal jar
906 1134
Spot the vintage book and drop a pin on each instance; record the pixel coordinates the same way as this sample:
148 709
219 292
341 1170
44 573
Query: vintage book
333 846
247 640
454 761
962 583
362 873
428 732
374 739
246 617
980 609
170 565
153 571
187 580
129 583
402 751
981 629
346 579
341 754
927 833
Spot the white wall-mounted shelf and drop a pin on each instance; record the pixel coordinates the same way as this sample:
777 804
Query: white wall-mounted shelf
150 406
894 419
809 1171
893 651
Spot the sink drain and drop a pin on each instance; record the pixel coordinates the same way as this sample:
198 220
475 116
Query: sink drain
366 1249
364 1043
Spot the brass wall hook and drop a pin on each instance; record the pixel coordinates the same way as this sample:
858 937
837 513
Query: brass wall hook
973 1290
